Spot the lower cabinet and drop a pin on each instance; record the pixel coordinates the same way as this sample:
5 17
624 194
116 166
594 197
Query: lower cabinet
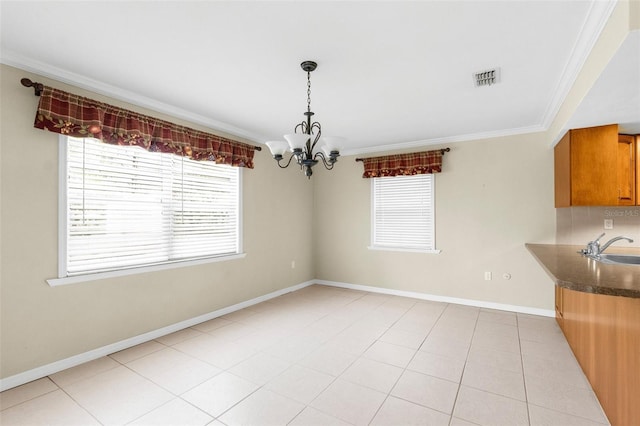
559 313
604 334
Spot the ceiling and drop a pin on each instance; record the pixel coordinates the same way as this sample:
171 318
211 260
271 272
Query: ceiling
391 74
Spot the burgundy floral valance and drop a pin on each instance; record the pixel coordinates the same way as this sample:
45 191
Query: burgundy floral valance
73 115
417 163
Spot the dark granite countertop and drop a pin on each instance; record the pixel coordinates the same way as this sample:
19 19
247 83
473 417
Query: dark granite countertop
574 271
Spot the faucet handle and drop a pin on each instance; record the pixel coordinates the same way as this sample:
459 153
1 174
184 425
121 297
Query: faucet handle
593 247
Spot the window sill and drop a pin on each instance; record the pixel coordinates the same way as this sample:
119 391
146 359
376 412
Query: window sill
409 250
54 282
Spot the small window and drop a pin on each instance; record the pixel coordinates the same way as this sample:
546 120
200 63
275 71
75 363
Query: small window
124 207
403 213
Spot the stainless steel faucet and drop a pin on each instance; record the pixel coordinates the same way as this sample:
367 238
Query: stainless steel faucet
594 249
613 240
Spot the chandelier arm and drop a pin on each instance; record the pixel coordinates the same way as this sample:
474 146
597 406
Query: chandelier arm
288 162
302 126
328 164
328 167
317 127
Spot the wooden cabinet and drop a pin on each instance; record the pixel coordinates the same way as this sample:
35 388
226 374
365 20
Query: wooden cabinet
595 166
559 306
626 170
604 334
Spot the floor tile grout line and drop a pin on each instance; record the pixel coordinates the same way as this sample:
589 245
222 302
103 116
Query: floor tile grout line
34 397
464 367
170 401
575 416
80 405
524 376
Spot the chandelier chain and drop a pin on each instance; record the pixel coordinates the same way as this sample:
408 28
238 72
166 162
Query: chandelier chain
308 91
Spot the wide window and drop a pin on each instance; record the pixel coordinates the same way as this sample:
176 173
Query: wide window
403 213
124 207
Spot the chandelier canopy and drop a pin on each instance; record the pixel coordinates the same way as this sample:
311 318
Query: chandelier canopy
306 137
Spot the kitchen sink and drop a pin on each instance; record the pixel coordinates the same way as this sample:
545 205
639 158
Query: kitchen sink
619 259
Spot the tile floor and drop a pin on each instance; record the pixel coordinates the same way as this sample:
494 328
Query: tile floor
327 356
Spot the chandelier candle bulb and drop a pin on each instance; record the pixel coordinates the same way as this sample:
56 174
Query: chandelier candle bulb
331 145
297 141
278 148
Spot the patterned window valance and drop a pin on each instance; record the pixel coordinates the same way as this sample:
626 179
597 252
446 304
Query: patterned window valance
73 115
417 163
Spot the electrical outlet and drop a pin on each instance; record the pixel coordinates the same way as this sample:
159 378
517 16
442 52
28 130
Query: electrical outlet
608 224
487 276
293 264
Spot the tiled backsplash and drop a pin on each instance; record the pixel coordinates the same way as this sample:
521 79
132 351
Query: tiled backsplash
579 225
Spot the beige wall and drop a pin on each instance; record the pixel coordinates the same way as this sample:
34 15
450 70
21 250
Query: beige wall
634 15
492 197
42 324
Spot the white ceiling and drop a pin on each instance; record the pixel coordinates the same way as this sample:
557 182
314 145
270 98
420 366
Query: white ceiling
391 74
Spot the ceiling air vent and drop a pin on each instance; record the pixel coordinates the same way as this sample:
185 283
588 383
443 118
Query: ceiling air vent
487 78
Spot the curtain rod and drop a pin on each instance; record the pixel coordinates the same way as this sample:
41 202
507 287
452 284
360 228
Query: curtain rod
39 87
443 150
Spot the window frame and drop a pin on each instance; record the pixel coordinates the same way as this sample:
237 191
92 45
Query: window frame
374 246
64 278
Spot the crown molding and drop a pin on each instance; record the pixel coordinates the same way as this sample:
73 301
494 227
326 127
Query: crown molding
599 14
449 139
13 59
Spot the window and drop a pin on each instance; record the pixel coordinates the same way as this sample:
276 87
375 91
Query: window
403 213
124 207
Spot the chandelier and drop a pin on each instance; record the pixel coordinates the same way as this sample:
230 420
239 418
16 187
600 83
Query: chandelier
306 137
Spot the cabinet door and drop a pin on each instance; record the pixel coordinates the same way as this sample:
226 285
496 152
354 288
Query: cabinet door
594 159
626 170
559 307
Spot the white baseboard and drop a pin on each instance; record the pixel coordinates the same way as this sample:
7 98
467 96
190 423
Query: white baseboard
445 299
57 366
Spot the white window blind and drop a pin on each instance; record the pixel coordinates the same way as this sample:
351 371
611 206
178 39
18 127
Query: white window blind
403 212
127 207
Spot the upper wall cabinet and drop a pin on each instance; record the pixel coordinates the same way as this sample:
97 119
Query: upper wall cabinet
627 170
596 167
